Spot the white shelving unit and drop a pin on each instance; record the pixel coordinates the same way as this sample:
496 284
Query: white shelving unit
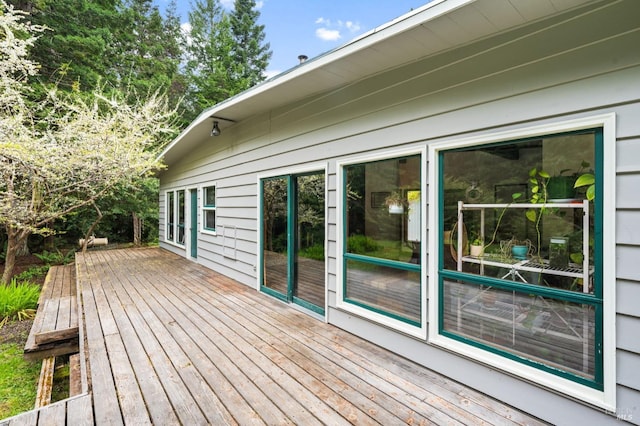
527 265
506 311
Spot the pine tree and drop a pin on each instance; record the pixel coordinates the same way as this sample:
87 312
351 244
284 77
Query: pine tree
251 54
207 50
173 42
77 50
149 60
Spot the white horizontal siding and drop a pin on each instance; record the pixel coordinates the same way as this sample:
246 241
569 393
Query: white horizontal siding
628 328
542 78
628 226
628 296
628 371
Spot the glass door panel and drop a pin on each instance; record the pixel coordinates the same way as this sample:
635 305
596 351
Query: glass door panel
293 223
310 236
274 238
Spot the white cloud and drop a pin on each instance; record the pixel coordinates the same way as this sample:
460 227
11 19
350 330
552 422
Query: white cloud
259 5
330 30
354 27
327 34
186 32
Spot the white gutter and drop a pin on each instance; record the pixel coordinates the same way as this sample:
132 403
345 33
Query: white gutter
419 16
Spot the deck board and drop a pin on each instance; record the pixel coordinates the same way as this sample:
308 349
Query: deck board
55 329
170 341
74 411
377 396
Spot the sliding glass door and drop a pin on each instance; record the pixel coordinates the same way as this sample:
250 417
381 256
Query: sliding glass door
293 252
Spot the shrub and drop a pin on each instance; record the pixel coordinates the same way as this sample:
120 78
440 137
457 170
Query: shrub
315 252
18 300
55 258
31 273
360 244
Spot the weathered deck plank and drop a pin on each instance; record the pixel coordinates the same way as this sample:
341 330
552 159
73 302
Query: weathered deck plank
74 411
372 392
151 377
106 407
55 328
196 347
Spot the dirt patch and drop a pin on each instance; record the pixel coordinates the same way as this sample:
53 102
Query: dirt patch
16 332
24 263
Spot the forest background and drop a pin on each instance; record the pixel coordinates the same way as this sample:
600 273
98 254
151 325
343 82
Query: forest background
128 48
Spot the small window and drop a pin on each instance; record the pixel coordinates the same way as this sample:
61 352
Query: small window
209 208
181 213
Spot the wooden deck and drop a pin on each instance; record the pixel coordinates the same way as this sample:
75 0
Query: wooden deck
55 328
171 342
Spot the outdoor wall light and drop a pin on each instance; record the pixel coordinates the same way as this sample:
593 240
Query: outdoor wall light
216 130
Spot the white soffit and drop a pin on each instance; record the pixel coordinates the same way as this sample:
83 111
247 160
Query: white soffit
435 27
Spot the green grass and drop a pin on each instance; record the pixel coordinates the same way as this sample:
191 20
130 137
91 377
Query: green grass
60 388
18 381
18 300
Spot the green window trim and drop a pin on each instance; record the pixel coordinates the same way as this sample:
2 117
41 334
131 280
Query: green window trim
209 202
418 320
169 216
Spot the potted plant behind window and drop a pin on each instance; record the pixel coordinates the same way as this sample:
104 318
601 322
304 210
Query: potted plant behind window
476 248
395 202
560 187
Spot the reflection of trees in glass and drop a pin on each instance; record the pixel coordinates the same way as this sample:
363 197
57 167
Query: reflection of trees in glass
274 211
310 212
369 219
355 199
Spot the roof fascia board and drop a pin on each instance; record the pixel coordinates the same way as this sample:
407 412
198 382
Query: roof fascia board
419 16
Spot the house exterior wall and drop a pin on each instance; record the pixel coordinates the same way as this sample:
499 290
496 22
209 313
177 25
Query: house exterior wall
532 76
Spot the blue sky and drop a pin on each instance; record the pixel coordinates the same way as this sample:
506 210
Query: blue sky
312 27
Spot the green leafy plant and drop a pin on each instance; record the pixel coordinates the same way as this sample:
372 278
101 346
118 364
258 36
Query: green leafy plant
395 199
32 273
587 180
360 244
18 300
55 258
475 240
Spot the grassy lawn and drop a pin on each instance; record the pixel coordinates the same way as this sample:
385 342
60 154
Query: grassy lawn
18 380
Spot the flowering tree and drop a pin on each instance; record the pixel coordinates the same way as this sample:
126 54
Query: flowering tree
68 151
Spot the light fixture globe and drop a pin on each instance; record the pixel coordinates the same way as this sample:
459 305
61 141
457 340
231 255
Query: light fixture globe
216 130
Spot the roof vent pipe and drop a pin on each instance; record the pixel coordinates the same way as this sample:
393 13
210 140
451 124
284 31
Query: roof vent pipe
303 58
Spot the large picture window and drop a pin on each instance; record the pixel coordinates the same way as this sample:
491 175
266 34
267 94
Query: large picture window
382 237
520 261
